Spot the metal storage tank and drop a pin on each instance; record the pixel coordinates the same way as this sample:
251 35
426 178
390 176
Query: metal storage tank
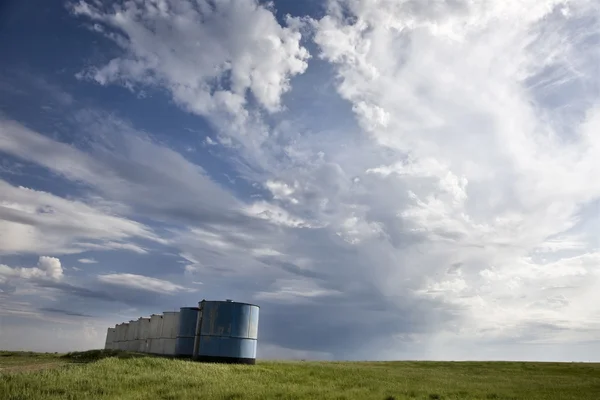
111 338
228 332
131 335
155 326
108 341
155 331
188 321
170 329
125 333
124 328
117 328
144 335
169 346
116 342
157 346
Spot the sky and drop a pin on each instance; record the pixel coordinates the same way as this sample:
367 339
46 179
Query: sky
386 179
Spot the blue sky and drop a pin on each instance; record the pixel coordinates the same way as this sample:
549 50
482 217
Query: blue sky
386 179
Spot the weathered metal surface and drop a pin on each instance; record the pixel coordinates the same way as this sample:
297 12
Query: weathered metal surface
228 330
219 346
110 338
113 337
156 323
253 323
120 332
143 328
188 318
170 327
221 330
230 319
125 334
217 318
185 346
156 346
169 346
132 331
145 345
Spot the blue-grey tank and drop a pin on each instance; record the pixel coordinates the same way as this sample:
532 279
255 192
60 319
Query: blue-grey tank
188 320
228 332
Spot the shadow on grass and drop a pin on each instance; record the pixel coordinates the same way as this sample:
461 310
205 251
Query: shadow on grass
97 355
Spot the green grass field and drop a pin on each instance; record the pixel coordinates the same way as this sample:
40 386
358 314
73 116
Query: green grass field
112 375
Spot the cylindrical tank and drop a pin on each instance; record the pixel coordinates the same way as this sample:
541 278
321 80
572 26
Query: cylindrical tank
156 346
110 339
156 322
113 337
169 346
228 332
143 335
170 329
188 317
123 336
131 335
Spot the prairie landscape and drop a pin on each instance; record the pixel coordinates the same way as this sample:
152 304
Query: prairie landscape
121 375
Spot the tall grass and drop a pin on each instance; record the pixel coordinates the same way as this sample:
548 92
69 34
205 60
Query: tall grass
158 378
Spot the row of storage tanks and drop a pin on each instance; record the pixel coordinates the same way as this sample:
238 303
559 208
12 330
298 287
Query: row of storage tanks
219 331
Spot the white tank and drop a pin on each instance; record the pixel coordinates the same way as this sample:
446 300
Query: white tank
144 329
141 334
169 346
110 338
119 329
132 333
113 337
170 327
157 346
156 323
123 336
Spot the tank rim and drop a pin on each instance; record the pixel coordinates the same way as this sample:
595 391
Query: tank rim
230 302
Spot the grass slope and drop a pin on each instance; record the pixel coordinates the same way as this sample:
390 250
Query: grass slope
101 375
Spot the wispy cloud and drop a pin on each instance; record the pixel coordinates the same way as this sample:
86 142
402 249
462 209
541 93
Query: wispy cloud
41 222
87 261
64 312
143 283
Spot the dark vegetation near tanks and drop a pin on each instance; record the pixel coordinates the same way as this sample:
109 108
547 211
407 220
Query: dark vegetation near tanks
113 374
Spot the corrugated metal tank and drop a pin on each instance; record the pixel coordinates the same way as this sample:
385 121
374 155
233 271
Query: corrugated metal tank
155 326
131 335
155 331
188 320
169 346
157 346
228 332
170 326
144 335
170 329
113 338
110 339
124 334
117 333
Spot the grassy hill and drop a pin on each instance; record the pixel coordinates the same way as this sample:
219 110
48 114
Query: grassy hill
114 375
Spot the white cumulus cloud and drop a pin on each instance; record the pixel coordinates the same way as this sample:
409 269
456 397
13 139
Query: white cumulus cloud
47 268
184 46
